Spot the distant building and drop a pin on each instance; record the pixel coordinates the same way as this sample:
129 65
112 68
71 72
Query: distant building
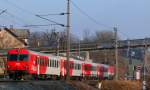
11 38
22 34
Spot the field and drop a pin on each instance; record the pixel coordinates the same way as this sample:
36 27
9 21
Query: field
121 85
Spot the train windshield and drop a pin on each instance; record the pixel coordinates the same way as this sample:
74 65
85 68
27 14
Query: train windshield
23 57
12 57
16 57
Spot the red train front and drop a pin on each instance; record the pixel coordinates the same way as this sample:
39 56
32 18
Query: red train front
17 63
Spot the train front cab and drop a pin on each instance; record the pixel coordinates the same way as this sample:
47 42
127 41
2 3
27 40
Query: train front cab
17 63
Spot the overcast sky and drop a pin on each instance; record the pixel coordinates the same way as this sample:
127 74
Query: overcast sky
132 17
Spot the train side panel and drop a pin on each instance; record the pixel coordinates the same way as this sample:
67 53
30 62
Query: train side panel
53 66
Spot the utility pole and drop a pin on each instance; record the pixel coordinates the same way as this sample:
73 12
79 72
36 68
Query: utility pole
144 65
58 39
129 57
116 52
105 54
128 51
68 40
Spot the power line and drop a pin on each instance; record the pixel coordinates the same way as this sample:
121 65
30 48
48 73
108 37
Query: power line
123 34
93 20
3 11
12 16
88 16
54 14
18 7
50 21
31 13
39 25
16 17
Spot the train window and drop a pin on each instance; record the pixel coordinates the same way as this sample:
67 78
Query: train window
36 62
13 57
87 68
57 64
50 63
40 62
54 63
105 69
78 66
74 67
71 65
93 68
47 63
44 64
65 65
23 57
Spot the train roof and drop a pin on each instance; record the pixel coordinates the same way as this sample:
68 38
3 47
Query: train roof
59 57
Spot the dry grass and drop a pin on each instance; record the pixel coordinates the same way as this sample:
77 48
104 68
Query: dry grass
121 85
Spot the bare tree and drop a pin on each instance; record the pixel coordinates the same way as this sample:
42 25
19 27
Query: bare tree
87 37
104 36
35 39
50 38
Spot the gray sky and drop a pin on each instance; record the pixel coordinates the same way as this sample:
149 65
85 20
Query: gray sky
132 17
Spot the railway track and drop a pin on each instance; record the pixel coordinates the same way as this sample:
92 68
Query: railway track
34 85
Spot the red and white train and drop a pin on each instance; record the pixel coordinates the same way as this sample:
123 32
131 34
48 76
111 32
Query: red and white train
24 63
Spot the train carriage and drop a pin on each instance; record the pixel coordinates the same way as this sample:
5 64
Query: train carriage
23 63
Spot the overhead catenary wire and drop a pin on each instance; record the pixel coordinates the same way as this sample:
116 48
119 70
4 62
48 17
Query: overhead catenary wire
18 7
51 21
127 36
73 3
31 13
3 11
89 17
39 25
53 14
13 15
8 14
16 17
